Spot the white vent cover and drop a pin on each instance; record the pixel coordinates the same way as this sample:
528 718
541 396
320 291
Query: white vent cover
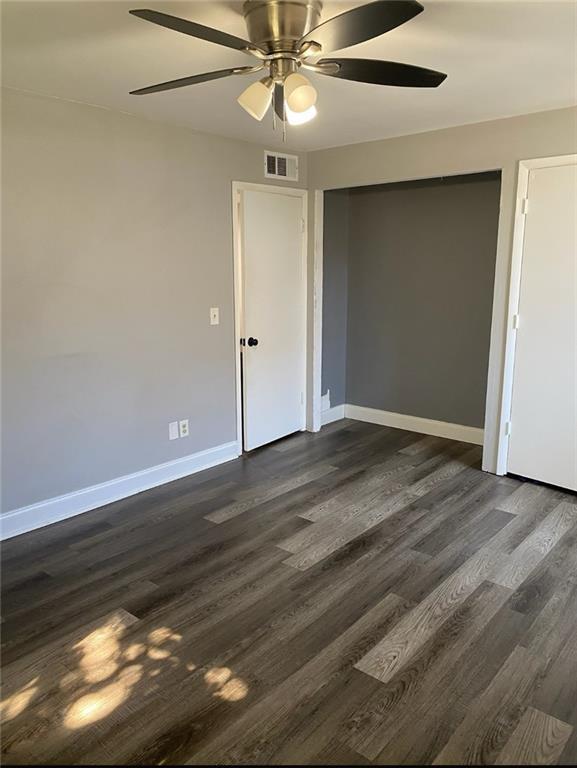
279 166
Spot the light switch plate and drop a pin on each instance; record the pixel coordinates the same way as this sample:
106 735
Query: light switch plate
214 316
173 430
183 426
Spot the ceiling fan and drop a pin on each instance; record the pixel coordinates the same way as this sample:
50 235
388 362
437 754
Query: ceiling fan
286 37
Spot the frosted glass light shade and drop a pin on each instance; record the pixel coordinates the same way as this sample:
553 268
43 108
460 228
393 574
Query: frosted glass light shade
299 118
299 93
257 97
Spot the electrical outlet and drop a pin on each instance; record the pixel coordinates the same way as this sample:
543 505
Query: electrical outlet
214 316
173 430
183 425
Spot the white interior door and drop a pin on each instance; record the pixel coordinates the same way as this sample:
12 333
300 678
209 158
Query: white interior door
543 442
273 315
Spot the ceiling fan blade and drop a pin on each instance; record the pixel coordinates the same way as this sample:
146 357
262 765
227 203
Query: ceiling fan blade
362 23
278 99
194 79
382 72
193 29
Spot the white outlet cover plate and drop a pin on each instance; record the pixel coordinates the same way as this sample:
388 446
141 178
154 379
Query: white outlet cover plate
183 426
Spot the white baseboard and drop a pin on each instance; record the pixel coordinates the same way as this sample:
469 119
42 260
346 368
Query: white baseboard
70 504
335 413
416 424
62 507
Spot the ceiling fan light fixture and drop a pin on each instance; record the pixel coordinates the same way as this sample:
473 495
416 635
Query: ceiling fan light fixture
300 118
300 94
257 97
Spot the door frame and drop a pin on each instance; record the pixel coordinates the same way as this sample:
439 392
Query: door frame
238 187
495 370
525 167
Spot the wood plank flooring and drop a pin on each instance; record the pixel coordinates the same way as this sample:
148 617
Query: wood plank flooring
359 596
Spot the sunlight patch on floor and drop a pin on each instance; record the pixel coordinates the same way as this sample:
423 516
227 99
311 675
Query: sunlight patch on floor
235 690
18 702
229 688
95 706
109 668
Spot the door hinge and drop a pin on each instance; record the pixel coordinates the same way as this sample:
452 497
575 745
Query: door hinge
303 225
508 428
515 322
243 342
524 206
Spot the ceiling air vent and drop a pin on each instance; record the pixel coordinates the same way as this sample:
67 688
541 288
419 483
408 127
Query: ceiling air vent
278 166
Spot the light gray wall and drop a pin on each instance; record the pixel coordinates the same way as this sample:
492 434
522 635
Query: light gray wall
335 291
117 239
421 271
494 145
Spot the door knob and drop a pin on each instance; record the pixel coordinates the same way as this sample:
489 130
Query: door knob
252 342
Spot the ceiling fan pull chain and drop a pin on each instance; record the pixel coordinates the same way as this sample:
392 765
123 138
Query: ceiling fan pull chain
284 120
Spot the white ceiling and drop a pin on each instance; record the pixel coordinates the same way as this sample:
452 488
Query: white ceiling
503 58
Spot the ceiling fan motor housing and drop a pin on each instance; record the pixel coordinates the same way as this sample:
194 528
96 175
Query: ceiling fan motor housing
277 25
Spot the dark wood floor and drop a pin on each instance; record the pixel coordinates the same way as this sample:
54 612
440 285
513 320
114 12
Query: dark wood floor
364 595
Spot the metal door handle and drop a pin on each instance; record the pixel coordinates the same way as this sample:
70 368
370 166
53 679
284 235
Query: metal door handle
252 342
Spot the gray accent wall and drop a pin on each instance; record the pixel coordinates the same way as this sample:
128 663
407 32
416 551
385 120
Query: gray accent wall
421 272
117 240
419 291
